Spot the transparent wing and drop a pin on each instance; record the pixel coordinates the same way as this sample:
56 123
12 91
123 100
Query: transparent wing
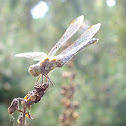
83 41
37 56
62 59
84 38
72 29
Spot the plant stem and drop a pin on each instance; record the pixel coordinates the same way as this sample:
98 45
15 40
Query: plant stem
23 118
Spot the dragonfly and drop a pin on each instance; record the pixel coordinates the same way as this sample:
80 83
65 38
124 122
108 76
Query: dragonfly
47 63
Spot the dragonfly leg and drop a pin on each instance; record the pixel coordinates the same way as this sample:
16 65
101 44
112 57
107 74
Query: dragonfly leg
42 79
49 80
38 79
46 78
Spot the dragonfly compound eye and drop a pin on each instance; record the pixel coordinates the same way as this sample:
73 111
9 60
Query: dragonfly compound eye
34 70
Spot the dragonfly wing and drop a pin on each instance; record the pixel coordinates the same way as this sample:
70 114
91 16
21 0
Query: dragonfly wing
62 59
84 38
37 56
72 29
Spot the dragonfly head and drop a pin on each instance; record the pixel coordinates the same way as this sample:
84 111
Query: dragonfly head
34 70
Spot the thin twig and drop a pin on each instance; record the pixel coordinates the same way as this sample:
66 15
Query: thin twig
23 118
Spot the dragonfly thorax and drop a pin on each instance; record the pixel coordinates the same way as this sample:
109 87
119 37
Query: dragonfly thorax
47 65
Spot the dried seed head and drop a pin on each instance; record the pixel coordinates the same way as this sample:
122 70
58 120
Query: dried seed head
76 105
14 105
41 87
66 75
75 115
20 119
62 117
28 115
62 91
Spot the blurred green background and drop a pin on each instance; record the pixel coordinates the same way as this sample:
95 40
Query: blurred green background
100 68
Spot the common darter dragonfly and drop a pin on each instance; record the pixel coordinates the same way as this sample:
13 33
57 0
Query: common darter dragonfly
48 62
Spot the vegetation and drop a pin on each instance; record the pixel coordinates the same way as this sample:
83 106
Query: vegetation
100 69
